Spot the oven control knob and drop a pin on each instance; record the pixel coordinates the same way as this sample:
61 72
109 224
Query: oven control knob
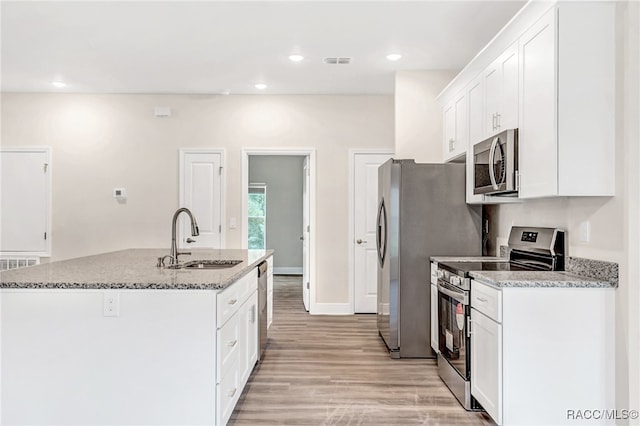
455 281
440 274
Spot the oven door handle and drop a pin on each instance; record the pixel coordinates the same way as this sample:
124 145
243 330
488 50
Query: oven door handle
459 296
492 154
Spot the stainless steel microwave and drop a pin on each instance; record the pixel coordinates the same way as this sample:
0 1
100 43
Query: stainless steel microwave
495 164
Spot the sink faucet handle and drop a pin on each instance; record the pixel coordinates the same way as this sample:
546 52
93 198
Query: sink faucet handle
190 240
161 259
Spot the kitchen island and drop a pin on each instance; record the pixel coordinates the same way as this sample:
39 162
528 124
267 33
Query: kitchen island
113 339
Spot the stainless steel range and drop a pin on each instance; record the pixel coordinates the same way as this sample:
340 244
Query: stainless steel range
531 248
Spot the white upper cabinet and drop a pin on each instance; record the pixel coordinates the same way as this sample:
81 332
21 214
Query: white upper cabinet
501 93
567 102
475 101
455 127
550 73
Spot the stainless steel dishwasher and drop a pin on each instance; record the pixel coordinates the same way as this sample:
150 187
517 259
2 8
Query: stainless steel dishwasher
262 307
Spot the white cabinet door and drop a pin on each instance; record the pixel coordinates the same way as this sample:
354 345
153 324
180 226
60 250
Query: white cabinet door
492 82
201 192
434 318
449 127
508 113
501 92
475 100
486 364
455 127
248 350
25 200
538 143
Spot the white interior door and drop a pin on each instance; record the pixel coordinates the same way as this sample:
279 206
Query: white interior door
201 192
305 233
24 198
365 205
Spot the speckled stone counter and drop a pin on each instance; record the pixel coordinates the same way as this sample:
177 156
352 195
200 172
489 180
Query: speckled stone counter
538 279
134 269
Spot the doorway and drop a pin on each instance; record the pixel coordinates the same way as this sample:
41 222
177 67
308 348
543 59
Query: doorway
363 208
201 183
278 211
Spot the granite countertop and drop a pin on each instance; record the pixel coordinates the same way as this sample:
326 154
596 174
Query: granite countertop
539 279
134 269
467 259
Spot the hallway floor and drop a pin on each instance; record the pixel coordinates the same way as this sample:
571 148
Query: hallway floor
335 370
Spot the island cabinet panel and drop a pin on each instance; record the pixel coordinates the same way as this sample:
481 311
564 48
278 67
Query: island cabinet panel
64 362
237 342
248 326
269 291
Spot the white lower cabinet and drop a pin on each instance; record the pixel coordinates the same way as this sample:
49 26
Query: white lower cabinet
236 342
248 327
539 354
486 363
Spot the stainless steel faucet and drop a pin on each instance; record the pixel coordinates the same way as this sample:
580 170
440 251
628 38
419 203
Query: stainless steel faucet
173 256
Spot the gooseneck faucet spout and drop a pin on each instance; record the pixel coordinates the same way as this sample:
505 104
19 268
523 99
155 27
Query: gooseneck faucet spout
194 232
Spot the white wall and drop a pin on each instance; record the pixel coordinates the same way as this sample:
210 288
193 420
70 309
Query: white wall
104 141
418 116
283 175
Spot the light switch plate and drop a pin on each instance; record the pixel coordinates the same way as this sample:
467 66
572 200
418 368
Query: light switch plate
119 193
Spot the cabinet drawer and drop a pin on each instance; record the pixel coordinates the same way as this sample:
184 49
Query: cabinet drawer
227 394
228 338
487 300
231 298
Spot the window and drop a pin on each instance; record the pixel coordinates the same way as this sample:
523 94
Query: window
257 209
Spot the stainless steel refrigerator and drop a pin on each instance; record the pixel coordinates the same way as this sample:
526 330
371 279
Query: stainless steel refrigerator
422 212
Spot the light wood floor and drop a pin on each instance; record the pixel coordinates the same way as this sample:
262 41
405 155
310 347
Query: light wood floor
335 370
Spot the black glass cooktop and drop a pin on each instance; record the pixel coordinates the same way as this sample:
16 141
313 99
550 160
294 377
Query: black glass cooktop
463 268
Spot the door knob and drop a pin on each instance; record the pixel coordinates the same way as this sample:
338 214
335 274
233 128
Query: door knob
359 241
301 237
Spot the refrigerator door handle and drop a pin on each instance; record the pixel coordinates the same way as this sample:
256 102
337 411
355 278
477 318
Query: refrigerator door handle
381 233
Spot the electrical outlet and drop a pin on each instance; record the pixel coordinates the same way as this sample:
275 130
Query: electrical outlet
111 304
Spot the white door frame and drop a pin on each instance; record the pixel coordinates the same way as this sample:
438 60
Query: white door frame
351 234
223 193
301 152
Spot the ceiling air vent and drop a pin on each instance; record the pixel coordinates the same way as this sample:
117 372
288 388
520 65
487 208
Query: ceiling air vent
337 61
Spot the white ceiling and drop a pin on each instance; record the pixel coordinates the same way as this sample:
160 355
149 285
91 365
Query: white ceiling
214 46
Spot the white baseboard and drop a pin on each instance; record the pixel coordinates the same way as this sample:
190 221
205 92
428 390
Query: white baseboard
331 309
287 270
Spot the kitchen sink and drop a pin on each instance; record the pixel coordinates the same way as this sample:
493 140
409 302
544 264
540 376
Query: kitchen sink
209 264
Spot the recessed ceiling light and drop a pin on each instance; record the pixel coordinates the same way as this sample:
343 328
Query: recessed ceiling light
225 92
260 86
394 56
59 84
296 58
